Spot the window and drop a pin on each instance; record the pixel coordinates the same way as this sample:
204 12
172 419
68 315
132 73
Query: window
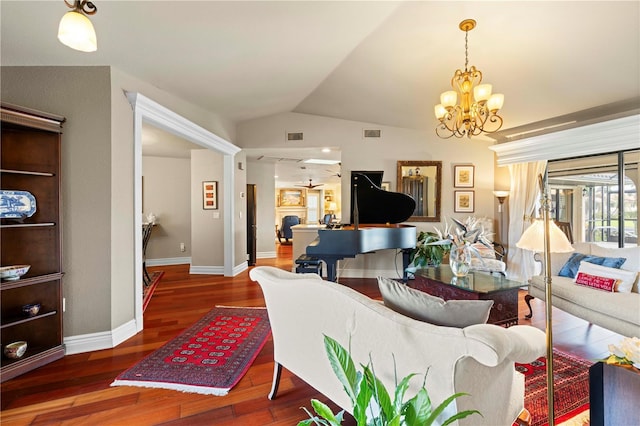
587 192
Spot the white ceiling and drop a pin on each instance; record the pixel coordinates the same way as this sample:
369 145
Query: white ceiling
378 62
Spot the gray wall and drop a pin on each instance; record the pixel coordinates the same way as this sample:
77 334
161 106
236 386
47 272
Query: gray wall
261 174
83 96
207 226
166 194
97 181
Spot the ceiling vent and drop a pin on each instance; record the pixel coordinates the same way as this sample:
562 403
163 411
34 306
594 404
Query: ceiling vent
372 133
298 136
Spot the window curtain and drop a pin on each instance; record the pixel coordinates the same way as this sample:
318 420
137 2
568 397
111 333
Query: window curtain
524 194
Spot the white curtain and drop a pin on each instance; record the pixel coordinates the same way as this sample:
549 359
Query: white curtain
524 193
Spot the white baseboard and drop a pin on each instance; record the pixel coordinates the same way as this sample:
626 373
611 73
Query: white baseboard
98 341
240 268
169 261
207 270
266 255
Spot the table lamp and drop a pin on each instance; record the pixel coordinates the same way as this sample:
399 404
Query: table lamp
544 236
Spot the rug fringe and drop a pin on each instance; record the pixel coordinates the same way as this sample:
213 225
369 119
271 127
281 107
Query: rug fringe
177 387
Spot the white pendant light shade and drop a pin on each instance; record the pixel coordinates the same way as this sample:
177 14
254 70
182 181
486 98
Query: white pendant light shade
482 92
440 111
448 99
495 102
76 31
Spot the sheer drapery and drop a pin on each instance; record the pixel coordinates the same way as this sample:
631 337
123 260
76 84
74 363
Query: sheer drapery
525 192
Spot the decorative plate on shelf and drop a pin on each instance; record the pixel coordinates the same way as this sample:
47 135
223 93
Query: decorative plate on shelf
16 204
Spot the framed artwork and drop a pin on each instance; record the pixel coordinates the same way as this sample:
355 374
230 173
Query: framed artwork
464 201
386 186
463 176
210 195
291 198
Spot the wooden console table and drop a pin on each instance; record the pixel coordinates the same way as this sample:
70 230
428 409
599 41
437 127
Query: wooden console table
441 282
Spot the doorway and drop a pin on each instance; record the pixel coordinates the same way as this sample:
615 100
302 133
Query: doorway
148 111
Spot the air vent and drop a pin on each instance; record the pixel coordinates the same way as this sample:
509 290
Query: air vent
372 133
295 136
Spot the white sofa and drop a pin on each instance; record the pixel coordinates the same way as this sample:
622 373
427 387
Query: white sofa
478 359
618 312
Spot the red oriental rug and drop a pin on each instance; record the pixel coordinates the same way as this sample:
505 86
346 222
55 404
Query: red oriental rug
210 357
570 385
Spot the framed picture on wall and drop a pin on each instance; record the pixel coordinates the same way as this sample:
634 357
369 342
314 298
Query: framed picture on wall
291 198
463 176
386 186
464 201
210 195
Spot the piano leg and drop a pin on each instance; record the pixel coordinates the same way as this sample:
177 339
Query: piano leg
331 269
406 253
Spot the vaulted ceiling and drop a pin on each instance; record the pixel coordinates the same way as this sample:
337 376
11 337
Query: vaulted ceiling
378 62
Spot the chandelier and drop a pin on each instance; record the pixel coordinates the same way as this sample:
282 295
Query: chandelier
478 108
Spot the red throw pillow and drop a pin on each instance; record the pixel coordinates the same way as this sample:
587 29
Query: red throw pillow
594 281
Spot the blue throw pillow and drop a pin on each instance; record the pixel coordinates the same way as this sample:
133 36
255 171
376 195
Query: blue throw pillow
570 269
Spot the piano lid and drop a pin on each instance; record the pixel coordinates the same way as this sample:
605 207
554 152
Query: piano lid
375 205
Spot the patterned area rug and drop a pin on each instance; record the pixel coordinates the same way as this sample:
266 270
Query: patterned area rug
148 290
209 358
570 385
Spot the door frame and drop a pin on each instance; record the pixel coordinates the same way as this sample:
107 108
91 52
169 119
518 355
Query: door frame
144 109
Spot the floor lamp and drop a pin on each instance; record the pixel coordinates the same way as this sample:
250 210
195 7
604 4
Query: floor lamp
544 236
501 196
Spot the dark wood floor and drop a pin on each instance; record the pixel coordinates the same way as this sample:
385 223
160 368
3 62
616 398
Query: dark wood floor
75 390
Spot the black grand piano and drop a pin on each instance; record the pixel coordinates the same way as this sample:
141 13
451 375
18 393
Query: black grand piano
375 225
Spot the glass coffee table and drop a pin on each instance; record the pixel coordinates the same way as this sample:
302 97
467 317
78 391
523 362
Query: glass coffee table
440 281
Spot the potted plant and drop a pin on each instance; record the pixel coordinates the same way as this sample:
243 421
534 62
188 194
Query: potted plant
458 242
372 403
426 253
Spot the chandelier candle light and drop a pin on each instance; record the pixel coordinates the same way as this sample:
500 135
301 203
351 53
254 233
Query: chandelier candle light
478 108
75 29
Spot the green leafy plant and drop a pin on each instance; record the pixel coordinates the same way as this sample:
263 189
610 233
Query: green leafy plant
426 253
371 402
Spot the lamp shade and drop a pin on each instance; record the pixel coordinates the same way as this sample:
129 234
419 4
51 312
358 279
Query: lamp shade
482 92
76 31
495 102
533 239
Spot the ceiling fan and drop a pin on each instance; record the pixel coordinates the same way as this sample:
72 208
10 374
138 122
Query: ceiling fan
310 185
337 173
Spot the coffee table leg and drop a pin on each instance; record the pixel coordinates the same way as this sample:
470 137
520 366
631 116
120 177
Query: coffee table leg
527 300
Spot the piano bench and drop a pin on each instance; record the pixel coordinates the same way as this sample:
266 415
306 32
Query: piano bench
308 263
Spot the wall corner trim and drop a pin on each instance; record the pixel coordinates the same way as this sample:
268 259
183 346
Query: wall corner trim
98 341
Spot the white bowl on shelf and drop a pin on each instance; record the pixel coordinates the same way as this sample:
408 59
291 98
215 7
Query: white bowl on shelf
14 272
15 350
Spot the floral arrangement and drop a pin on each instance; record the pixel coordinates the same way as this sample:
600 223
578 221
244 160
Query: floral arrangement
465 233
432 247
626 353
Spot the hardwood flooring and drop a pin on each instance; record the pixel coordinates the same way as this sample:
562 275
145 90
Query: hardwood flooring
75 390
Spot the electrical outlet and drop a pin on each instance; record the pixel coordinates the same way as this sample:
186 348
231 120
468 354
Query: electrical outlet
64 304
182 249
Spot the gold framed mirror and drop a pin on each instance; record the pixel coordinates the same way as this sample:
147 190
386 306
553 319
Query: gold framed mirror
422 180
